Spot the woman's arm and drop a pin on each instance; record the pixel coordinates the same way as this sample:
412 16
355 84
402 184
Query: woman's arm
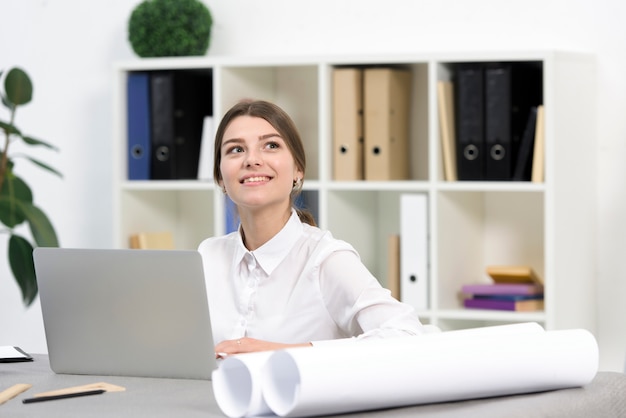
359 304
249 345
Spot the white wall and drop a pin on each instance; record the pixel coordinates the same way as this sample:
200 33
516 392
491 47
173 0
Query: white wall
68 47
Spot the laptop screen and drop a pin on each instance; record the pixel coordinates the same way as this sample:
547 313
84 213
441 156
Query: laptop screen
125 312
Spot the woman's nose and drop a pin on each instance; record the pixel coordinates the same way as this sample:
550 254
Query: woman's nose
253 158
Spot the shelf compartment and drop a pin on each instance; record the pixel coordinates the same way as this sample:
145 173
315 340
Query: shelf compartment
202 106
418 117
366 219
187 214
477 229
295 88
526 90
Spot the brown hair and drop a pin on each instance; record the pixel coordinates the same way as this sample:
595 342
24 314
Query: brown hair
285 126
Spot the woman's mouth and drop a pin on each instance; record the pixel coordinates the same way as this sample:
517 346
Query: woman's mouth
257 179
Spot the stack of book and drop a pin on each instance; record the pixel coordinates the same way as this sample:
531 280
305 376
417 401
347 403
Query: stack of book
514 288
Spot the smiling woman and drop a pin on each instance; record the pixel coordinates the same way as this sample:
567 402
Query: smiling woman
279 281
258 171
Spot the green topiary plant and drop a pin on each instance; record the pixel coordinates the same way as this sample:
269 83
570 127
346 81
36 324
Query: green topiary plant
16 198
166 28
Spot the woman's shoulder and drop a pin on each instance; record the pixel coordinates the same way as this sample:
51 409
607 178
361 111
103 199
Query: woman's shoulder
316 234
220 243
323 242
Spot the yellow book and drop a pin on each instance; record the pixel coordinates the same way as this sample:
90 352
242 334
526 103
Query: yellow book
445 103
393 265
513 274
538 168
152 241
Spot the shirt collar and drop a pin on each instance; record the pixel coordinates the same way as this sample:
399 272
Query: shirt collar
273 252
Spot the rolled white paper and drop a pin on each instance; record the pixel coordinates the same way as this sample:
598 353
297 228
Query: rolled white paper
500 330
237 382
237 385
317 381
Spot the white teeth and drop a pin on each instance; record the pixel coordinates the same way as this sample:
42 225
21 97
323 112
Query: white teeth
254 179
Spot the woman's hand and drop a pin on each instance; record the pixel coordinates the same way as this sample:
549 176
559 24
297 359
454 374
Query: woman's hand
250 345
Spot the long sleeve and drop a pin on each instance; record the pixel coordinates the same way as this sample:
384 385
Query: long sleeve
359 304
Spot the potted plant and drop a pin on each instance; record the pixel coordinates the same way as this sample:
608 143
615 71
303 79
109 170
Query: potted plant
170 28
16 198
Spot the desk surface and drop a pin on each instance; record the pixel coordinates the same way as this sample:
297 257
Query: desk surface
149 397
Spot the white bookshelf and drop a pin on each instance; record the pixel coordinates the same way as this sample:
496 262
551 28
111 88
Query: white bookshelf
550 226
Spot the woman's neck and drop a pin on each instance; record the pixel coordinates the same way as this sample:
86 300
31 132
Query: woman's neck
258 227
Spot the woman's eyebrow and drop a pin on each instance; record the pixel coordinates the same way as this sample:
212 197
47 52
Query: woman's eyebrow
273 134
241 140
231 141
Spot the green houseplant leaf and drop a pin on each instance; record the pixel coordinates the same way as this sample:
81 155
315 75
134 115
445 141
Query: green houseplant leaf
23 268
44 166
40 226
9 129
18 87
13 196
33 141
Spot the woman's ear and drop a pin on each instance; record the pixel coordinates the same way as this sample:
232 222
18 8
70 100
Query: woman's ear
298 174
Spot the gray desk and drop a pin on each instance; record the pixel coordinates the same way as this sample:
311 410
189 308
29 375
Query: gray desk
147 397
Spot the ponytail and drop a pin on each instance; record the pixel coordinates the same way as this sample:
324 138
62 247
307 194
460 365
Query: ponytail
306 216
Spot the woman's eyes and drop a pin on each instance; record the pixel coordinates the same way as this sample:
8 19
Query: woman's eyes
271 145
234 150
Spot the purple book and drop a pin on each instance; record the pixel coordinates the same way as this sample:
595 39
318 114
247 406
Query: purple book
505 305
502 289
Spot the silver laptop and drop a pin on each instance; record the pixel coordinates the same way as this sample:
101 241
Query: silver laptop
125 312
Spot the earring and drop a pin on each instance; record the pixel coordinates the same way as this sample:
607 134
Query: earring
297 184
224 189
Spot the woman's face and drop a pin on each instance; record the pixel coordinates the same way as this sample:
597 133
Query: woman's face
257 167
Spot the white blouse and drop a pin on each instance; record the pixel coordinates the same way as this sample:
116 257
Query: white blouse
301 286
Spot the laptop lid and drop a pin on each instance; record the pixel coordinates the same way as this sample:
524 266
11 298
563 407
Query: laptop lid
125 312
